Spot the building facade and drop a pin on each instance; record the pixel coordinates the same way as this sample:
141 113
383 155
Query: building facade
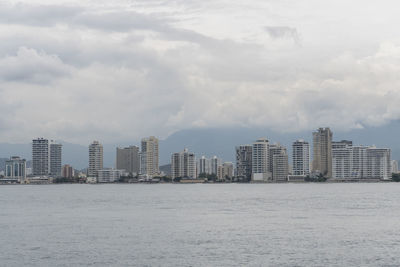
108 175
322 152
203 166
55 158
95 158
40 157
183 165
260 161
149 157
280 170
15 168
301 157
128 159
244 154
67 171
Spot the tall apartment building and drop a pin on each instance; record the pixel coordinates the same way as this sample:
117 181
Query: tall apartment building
108 175
322 152
149 157
128 159
301 157
95 158
183 164
275 149
15 169
342 160
55 158
40 157
244 154
215 162
395 166
260 161
280 169
225 171
203 165
67 171
378 163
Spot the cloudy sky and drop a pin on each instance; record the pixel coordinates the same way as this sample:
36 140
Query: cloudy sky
84 70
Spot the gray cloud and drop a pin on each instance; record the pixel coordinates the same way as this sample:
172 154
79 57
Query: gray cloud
279 32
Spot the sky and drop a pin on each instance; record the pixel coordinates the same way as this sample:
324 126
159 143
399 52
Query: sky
120 70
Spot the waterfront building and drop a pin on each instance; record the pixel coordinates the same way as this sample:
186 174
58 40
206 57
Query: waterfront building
183 165
225 171
149 157
128 159
95 158
301 157
260 161
280 169
40 157
203 166
322 152
395 166
378 163
108 175
342 160
244 154
15 169
67 171
55 159
215 162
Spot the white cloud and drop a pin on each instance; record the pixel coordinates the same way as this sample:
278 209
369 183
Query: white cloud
122 70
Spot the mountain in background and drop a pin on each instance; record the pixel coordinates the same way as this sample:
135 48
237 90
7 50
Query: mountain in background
219 142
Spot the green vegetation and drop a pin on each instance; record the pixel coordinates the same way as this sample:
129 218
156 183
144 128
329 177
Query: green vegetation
316 179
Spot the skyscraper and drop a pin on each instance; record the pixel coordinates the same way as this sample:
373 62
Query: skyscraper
149 157
128 159
40 157
260 161
55 158
280 169
301 157
183 164
215 163
15 169
244 154
95 158
322 148
342 159
203 166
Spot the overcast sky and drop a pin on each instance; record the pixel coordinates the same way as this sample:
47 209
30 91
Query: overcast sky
84 70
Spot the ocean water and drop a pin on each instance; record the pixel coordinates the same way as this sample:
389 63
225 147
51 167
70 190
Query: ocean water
200 225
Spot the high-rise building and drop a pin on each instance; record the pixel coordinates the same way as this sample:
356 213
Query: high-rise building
215 163
128 159
67 171
225 171
275 149
149 157
183 164
40 157
378 163
244 154
15 169
301 157
203 166
55 158
95 158
280 169
322 148
342 160
260 161
395 166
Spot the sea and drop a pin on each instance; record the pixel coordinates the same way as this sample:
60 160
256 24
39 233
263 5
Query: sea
311 224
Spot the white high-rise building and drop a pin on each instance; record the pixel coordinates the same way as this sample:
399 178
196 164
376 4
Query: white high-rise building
203 166
244 154
322 148
395 166
149 157
55 158
128 159
280 169
183 164
301 157
95 158
15 169
378 163
215 163
260 161
342 160
225 171
108 175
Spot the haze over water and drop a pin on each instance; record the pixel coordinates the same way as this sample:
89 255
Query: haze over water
200 225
